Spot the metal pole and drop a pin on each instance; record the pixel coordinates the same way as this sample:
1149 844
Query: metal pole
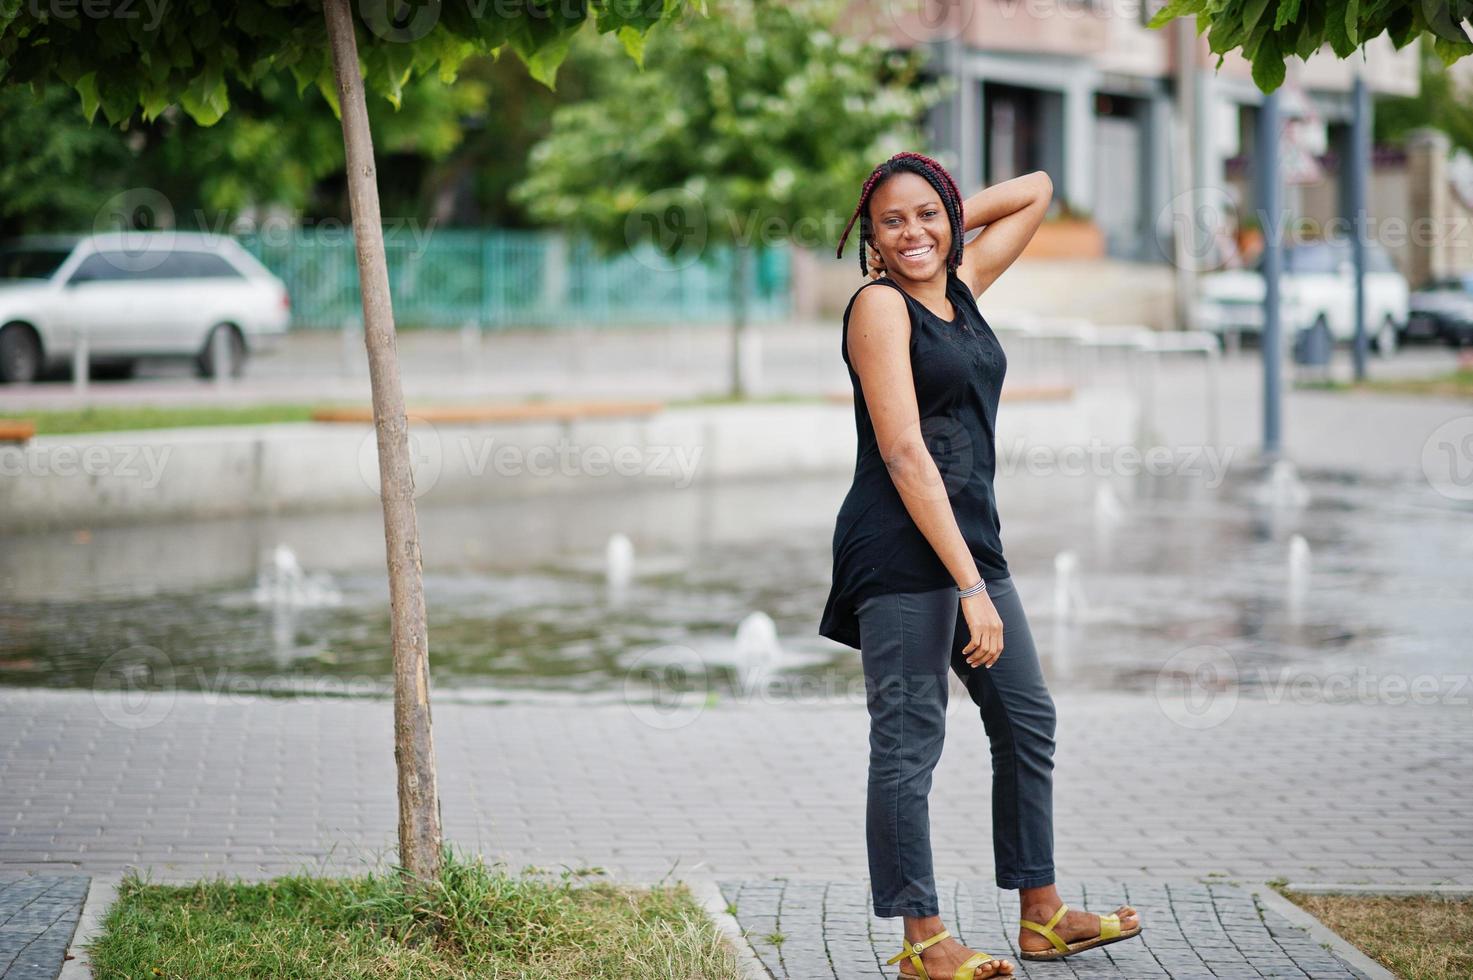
1269 219
1360 165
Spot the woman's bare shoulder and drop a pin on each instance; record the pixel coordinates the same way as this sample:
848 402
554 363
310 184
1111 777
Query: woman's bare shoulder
879 307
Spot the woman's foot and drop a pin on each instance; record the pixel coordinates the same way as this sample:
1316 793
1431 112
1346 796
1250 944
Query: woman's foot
942 959
1075 926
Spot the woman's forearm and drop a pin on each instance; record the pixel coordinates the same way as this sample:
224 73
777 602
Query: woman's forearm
1005 198
923 492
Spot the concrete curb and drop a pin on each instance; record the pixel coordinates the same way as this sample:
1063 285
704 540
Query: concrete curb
709 895
100 896
1320 932
120 478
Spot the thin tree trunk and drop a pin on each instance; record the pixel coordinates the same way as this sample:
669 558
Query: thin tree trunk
414 748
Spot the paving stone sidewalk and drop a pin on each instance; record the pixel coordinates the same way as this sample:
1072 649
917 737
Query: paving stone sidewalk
38 915
196 785
1191 929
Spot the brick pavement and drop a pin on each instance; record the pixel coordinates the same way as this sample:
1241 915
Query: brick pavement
1191 929
38 914
255 787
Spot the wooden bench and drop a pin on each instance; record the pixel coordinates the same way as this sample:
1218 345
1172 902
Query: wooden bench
16 430
560 411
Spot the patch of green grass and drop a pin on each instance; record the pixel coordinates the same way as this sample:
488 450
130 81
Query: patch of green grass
1454 384
476 921
108 418
1422 936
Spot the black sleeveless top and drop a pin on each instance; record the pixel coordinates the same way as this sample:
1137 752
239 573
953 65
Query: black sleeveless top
958 369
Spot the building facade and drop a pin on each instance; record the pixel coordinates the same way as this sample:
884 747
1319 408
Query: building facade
1085 91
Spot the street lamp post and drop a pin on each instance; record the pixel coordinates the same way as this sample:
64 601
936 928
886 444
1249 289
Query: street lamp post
1268 207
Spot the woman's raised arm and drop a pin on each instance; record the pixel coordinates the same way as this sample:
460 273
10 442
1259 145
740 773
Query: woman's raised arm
1008 214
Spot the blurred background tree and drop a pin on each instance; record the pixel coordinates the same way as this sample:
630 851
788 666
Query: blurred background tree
274 149
751 129
1444 102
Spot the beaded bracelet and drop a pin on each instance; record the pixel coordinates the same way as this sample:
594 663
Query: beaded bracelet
981 586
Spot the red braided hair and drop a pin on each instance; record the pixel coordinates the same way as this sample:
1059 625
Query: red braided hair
936 175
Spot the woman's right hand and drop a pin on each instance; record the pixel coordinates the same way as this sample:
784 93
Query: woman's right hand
985 627
876 263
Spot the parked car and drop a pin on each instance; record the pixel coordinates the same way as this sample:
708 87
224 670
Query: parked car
1317 290
134 295
1443 309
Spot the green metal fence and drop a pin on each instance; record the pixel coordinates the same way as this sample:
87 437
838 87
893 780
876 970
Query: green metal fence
503 279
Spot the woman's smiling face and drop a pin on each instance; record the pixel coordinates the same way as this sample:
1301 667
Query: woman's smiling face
911 230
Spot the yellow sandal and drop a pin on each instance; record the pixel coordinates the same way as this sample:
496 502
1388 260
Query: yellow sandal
967 971
1110 932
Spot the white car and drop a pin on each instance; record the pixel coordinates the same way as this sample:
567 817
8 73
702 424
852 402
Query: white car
1317 288
133 295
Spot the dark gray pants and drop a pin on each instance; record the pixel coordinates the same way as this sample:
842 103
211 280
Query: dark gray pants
908 641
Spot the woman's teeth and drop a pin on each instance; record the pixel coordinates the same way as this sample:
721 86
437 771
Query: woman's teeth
916 253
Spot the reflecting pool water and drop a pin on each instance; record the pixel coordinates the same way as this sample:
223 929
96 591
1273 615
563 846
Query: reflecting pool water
1343 586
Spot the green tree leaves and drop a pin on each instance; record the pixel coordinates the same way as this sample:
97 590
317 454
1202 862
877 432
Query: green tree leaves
1302 28
192 53
754 127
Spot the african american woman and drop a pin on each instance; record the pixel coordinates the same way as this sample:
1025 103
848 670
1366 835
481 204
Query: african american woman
920 584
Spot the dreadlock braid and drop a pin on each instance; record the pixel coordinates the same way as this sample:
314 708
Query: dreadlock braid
936 175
